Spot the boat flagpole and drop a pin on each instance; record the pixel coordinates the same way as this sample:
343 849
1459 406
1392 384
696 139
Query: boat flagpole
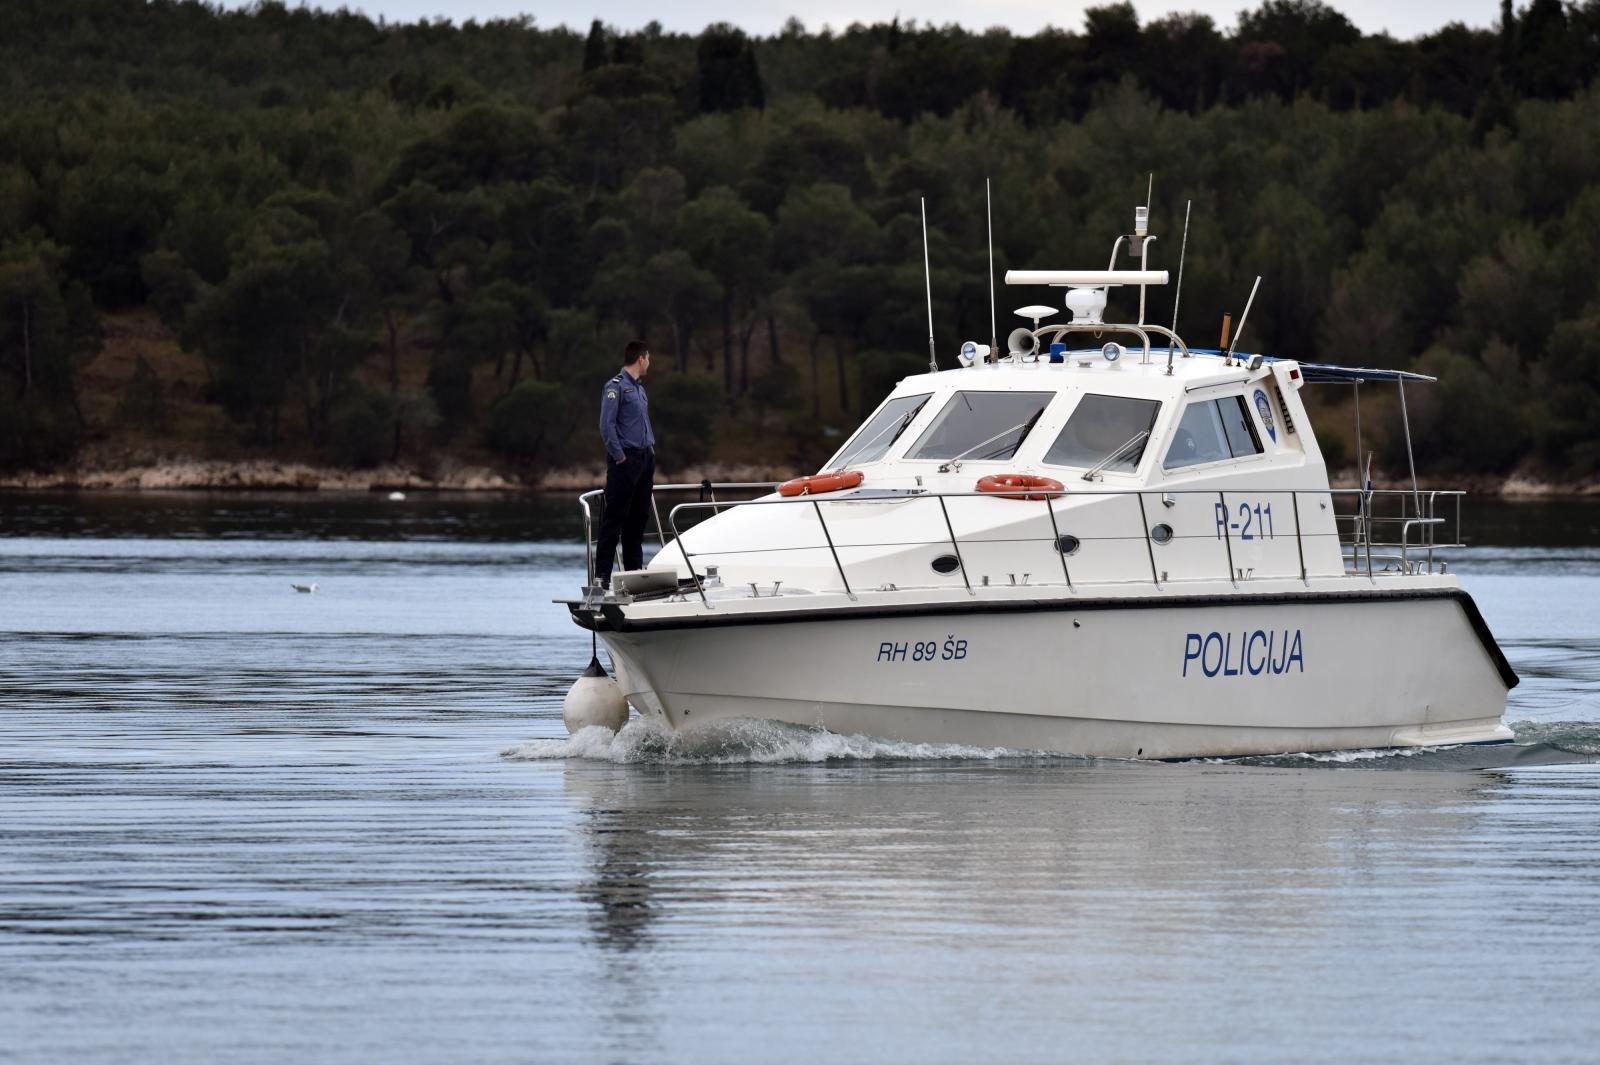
927 277
994 328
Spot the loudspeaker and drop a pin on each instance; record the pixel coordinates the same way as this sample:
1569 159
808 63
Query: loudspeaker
1022 341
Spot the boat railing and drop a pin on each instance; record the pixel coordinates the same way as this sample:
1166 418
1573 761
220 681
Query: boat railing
595 500
1398 527
1380 531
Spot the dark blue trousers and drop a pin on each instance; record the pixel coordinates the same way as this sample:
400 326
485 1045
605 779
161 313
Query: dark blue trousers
627 507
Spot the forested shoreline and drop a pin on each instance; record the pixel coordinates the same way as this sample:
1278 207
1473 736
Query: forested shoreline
310 237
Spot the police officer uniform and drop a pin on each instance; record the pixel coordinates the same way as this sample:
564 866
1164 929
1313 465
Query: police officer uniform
630 472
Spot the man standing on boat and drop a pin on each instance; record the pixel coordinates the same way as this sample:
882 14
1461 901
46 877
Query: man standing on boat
630 462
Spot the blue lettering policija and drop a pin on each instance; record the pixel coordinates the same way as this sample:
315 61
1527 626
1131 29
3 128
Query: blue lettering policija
1251 655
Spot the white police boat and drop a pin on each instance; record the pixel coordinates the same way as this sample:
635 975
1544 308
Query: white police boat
1106 551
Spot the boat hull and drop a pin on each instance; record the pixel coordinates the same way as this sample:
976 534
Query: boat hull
1155 677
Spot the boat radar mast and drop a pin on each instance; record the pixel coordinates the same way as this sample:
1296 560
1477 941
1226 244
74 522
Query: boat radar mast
1086 298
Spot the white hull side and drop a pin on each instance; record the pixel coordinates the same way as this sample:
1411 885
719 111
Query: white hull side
1094 679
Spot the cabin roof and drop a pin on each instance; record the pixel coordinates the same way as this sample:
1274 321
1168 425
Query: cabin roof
1086 368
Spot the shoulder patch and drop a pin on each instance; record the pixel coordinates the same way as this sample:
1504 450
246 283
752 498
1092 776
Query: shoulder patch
611 393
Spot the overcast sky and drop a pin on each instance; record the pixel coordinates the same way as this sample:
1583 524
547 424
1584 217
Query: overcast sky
1400 18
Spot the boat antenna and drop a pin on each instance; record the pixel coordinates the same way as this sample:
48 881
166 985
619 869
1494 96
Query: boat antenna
1183 250
927 277
1142 238
1242 318
994 329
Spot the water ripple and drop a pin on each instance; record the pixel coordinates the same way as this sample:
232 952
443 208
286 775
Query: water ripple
240 824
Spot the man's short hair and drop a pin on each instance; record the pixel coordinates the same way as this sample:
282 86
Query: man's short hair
635 350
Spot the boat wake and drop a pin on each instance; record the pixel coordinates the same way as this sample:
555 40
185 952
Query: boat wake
737 742
753 742
1535 743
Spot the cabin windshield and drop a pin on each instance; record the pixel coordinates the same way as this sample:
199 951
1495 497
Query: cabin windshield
1102 426
981 425
873 440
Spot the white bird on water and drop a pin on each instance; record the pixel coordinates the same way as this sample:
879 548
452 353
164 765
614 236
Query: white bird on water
307 588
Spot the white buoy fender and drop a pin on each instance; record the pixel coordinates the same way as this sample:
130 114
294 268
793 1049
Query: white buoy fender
595 699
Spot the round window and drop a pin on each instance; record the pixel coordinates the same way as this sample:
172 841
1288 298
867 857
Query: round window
946 564
1067 545
1162 533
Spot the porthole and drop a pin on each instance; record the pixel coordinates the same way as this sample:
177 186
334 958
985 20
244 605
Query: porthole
1162 533
946 564
1067 545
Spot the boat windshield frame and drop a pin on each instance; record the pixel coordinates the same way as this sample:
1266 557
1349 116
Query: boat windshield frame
1230 449
849 451
1123 443
1027 425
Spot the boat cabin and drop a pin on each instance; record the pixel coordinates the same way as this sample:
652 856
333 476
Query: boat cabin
1085 418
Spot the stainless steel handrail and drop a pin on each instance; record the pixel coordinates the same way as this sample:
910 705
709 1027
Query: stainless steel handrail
1366 523
588 536
1227 541
1055 532
1142 332
831 549
955 544
1361 544
591 534
1427 525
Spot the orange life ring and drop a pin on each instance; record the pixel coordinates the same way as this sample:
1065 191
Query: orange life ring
1015 485
819 483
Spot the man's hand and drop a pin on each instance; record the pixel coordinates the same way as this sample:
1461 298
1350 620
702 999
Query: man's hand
622 460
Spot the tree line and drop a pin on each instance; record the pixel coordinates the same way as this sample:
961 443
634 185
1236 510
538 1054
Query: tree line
390 241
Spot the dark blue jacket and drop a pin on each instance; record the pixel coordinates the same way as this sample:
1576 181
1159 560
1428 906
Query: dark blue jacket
625 416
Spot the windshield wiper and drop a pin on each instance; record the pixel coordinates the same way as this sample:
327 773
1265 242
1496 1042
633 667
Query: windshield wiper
1123 449
1026 427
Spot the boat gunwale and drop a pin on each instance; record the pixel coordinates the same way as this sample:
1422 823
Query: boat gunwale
611 617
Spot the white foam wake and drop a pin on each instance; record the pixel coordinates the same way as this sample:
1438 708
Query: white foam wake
1289 759
1365 754
736 742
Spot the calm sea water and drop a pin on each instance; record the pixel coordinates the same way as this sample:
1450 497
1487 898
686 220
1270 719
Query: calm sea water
243 824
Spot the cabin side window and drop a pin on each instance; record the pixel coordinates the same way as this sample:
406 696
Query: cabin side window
981 425
874 439
1212 430
1105 427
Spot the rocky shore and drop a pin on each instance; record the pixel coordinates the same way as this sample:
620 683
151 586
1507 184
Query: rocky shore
181 474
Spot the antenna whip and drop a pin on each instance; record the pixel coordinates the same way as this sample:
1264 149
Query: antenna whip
927 276
1177 295
994 329
1238 332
